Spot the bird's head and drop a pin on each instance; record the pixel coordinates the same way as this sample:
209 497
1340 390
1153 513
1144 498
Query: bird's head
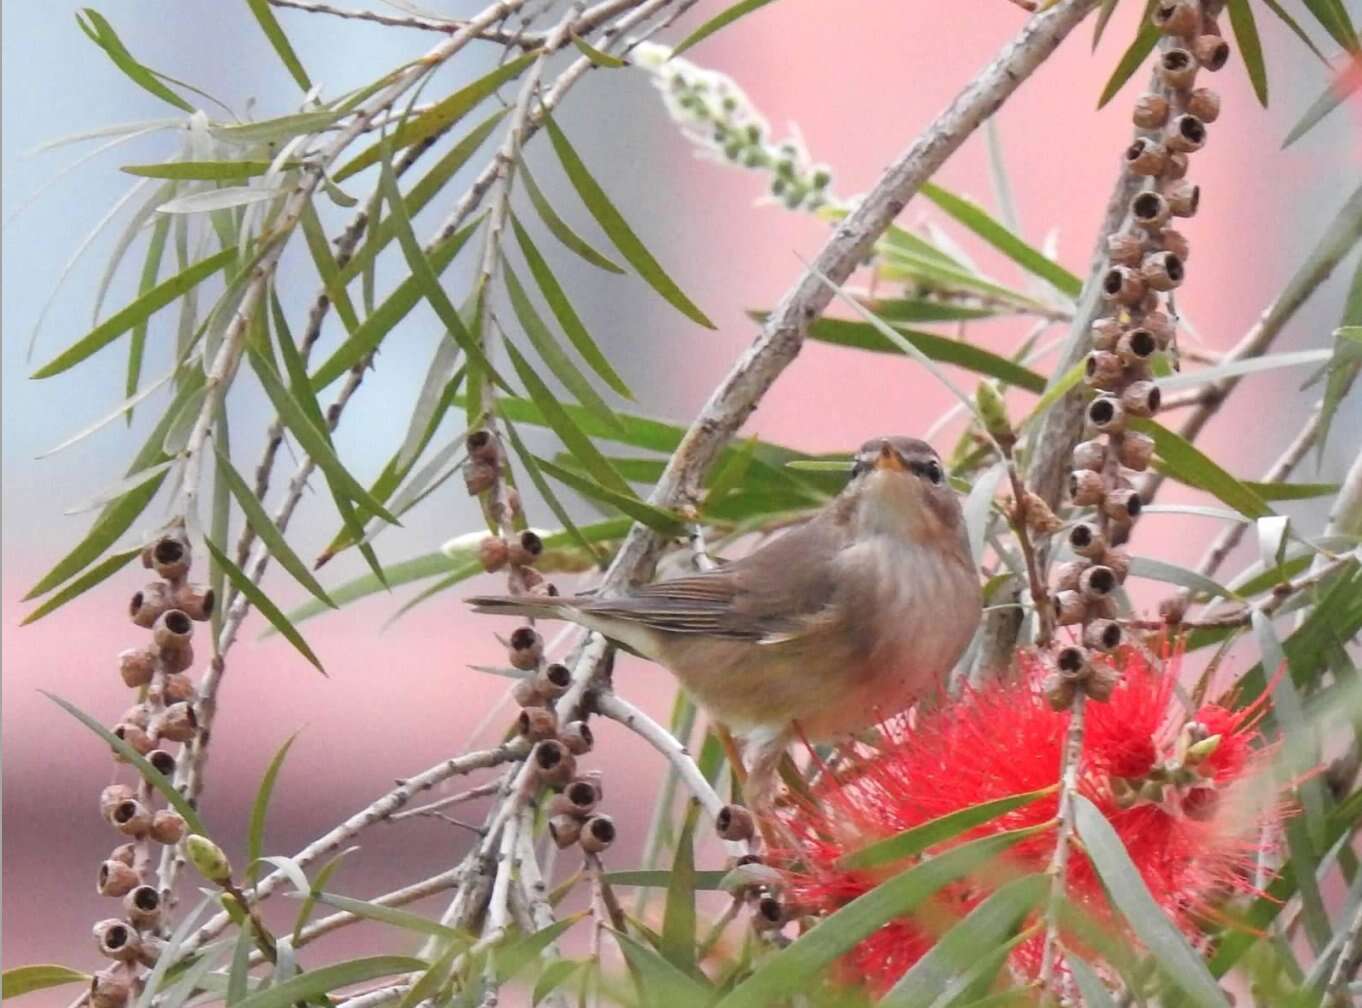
900 488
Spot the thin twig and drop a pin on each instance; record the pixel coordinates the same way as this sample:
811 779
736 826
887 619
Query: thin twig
1058 868
520 39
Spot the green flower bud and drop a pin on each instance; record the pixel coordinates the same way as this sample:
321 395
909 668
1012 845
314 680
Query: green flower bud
821 178
1197 752
993 412
207 858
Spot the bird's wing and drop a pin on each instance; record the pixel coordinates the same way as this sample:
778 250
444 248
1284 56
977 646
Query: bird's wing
777 592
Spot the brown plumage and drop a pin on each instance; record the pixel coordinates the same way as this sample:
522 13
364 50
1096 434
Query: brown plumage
830 626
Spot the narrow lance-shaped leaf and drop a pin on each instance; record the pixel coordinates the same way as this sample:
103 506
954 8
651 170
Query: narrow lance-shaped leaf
325 261
210 171
439 117
565 427
794 966
319 981
553 356
1333 17
268 531
1336 92
1245 30
1131 898
151 268
313 440
142 308
269 24
721 20
19 980
115 519
617 229
97 28
655 518
1188 464
564 312
660 984
382 232
598 58
978 220
149 773
678 917
97 574
267 608
531 464
559 227
1133 58
255 834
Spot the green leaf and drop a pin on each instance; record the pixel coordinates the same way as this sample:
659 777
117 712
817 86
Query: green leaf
721 20
313 440
440 116
279 129
926 309
214 171
1056 391
327 978
660 984
255 834
259 520
403 919
1250 46
663 522
270 26
327 267
139 310
794 967
1336 92
149 773
678 915
319 884
531 463
432 979
1147 919
512 958
262 602
978 220
1291 491
1161 570
553 976
1346 362
617 229
225 198
101 33
1132 58
1090 985
986 926
1104 14
657 878
565 427
598 58
912 842
553 356
151 269
19 980
1249 365
381 233
559 228
565 314
866 336
1286 19
115 519
95 575
1187 464
1333 17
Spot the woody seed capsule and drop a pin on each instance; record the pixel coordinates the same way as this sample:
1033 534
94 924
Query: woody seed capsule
1204 104
1102 682
1102 369
136 666
576 735
177 687
116 879
1106 331
167 827
1186 135
1160 325
1150 210
1069 607
1151 111
113 796
143 907
734 823
116 940
526 694
1072 663
1211 51
1136 346
553 764
538 723
553 680
1059 692
1183 198
1178 68
1086 487
482 447
493 553
598 833
1122 505
527 647
1136 449
1087 541
1119 562
178 723
1090 455
479 477
172 632
578 798
1162 271
1106 415
146 606
1097 582
524 551
1067 574
1179 18
195 601
565 830
136 737
170 556
1174 242
1146 157
110 988
1123 285
130 817
1102 634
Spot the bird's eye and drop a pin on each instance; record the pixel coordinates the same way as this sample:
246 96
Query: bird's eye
860 467
933 470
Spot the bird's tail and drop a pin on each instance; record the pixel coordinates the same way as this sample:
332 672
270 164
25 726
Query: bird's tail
538 606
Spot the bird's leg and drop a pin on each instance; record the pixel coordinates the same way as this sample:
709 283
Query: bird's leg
730 747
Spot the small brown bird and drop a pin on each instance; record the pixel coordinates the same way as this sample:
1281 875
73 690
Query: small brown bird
833 625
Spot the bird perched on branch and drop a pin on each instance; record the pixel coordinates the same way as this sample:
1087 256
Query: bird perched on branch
831 626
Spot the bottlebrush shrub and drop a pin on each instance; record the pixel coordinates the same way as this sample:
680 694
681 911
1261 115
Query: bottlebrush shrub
1185 794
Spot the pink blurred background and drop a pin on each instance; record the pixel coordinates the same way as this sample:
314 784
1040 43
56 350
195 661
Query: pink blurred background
860 79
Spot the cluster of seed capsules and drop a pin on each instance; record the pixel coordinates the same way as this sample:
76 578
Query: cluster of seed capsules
1147 260
163 715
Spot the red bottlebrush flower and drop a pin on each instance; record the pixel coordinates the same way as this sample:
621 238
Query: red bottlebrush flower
1191 827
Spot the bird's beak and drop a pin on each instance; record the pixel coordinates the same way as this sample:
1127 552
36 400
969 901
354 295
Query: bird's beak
889 459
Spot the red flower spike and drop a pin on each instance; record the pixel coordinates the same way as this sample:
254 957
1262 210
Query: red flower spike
1193 832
